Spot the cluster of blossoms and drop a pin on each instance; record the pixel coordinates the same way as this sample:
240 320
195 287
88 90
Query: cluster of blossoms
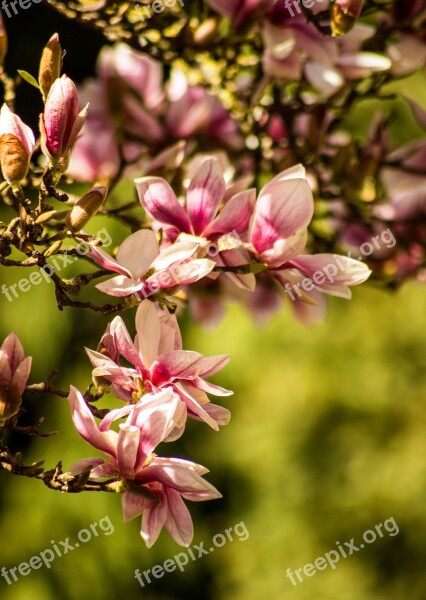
161 388
223 208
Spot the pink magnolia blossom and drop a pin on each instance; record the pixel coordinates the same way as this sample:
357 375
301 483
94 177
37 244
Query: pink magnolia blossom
158 361
205 213
278 237
143 269
12 125
294 49
404 183
208 215
61 121
15 367
155 486
192 110
131 102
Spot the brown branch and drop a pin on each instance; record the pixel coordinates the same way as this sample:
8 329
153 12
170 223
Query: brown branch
56 479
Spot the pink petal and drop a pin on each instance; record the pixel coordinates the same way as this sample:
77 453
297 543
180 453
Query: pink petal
338 270
119 286
153 520
100 468
324 78
138 252
171 339
281 210
154 422
175 253
149 331
123 342
178 522
175 365
114 415
235 215
211 364
177 275
11 123
160 201
20 376
14 350
85 423
133 505
127 450
104 260
362 64
5 370
195 409
204 195
210 388
284 250
183 479
234 258
221 415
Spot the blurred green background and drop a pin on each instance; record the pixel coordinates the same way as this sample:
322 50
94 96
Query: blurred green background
327 440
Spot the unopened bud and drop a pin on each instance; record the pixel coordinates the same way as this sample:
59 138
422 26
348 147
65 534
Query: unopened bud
50 65
10 401
14 159
61 122
47 216
53 248
344 15
86 208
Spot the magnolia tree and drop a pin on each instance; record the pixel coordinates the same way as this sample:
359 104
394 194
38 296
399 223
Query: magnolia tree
233 121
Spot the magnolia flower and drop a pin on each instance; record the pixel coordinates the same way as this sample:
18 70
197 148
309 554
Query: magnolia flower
131 105
144 270
16 146
154 486
158 362
15 368
404 183
208 215
192 110
201 216
278 237
61 121
294 48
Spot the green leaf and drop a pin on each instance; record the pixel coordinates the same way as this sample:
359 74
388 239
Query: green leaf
28 78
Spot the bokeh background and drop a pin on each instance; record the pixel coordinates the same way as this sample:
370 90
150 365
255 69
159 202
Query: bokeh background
327 439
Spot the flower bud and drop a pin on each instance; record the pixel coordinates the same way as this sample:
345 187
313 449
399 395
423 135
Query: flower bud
10 401
13 159
50 65
344 15
86 208
3 40
61 122
16 146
